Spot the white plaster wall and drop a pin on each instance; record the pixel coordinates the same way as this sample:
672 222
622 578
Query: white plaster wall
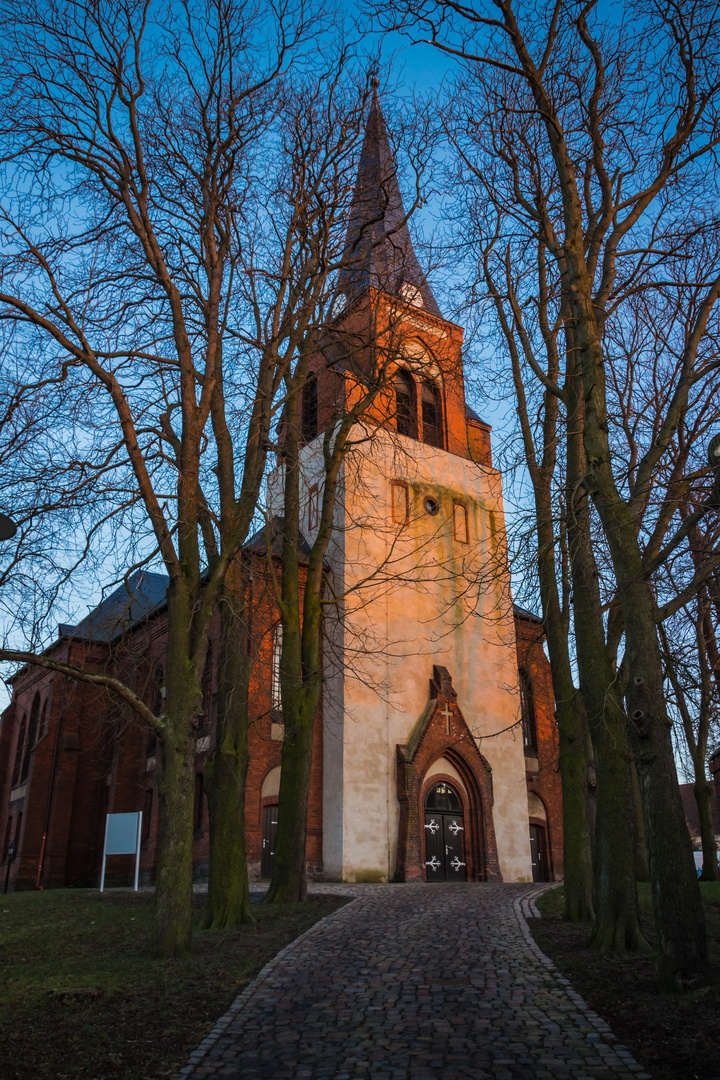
432 600
444 767
413 597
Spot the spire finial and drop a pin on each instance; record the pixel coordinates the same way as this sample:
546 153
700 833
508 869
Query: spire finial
374 81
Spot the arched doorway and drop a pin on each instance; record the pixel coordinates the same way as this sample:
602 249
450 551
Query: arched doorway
444 835
538 838
269 797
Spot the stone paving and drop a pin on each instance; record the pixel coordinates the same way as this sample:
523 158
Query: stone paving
414 982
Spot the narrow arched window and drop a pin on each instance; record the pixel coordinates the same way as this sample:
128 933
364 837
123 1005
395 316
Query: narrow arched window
276 689
527 713
19 751
431 415
32 735
405 404
309 420
43 726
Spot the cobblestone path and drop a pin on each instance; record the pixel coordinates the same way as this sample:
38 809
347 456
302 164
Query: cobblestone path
414 982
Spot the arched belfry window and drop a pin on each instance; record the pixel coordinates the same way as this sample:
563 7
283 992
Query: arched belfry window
276 654
405 404
431 415
527 713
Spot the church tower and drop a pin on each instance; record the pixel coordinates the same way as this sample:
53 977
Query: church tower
424 770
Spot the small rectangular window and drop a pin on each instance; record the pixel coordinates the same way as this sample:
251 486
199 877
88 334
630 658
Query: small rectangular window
313 507
460 523
400 502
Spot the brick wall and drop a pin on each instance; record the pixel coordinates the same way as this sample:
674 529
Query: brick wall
93 759
543 770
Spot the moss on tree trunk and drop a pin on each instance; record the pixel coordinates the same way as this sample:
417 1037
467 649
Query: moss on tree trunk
617 925
173 886
226 773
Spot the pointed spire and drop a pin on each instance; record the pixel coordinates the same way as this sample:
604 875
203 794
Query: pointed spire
377 209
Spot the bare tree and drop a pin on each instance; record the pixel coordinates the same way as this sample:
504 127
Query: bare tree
623 185
352 363
290 274
134 134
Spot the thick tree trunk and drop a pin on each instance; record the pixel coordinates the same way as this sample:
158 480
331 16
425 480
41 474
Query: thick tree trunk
679 915
642 867
617 926
677 904
702 790
226 773
289 878
571 722
173 887
577 859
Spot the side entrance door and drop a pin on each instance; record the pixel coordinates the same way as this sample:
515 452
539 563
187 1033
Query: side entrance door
269 832
444 835
538 857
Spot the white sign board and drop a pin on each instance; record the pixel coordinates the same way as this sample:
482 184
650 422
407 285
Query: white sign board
122 837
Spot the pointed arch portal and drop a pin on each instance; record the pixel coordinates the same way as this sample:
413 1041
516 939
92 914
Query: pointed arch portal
444 783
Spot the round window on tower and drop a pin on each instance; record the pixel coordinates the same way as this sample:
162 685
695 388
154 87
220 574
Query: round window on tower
432 506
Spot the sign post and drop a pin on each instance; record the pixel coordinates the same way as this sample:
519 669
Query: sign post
122 837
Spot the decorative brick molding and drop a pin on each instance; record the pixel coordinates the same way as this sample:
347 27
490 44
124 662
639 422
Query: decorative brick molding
441 731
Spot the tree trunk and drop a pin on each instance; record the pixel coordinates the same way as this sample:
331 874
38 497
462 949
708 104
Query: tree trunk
702 790
642 867
577 859
617 926
676 897
571 722
173 886
226 773
289 878
677 904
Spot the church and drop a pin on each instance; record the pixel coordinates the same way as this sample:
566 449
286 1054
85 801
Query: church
435 754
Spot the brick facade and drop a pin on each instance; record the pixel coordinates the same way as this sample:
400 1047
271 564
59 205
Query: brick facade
92 758
543 768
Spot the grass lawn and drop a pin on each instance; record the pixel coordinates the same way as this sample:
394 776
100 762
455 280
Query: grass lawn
123 1016
675 1038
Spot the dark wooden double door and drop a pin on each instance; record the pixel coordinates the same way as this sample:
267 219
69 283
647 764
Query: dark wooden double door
444 836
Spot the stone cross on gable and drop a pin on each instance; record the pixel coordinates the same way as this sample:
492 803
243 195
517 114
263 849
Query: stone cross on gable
446 712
